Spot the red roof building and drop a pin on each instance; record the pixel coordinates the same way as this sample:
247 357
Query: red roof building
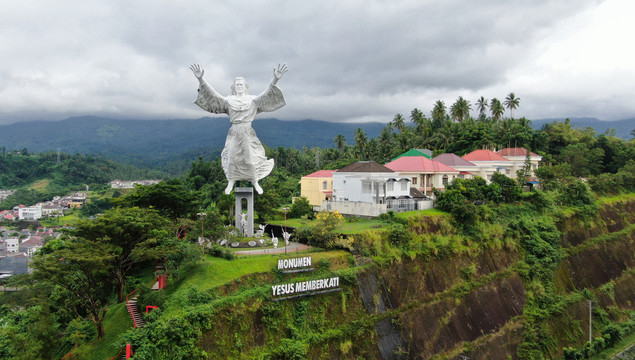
424 173
518 156
317 186
488 163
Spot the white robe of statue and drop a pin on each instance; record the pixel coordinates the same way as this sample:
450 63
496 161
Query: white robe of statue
243 157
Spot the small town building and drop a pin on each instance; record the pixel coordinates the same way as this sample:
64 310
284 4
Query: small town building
129 184
488 163
518 157
317 186
454 161
416 152
424 174
30 212
367 188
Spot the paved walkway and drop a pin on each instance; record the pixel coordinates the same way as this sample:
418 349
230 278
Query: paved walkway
293 247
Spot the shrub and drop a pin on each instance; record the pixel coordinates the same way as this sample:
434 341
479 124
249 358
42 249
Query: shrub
398 235
300 208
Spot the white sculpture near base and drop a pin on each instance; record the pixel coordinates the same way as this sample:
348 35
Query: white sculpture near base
243 157
243 224
261 231
286 236
275 242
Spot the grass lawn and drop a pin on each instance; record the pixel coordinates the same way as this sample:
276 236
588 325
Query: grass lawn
214 272
40 185
117 321
69 219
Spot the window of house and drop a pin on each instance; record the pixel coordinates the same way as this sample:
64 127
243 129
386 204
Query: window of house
367 187
414 181
324 185
390 186
445 180
404 185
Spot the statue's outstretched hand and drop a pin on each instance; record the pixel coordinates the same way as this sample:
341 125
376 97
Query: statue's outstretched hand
279 71
198 72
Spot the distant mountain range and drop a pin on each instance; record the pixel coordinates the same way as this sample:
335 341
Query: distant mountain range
152 143
622 128
157 142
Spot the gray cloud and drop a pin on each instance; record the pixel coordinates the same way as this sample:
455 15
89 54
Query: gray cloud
349 61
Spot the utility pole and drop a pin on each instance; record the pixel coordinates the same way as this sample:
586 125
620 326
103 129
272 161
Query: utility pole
202 216
590 321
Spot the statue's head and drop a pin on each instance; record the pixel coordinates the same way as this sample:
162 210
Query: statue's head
240 86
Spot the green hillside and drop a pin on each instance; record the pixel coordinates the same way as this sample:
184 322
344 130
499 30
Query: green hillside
441 295
40 176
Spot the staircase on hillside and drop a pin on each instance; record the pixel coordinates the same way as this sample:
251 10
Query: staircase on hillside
133 310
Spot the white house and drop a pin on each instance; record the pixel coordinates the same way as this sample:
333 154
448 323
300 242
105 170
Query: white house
30 213
13 244
518 157
424 173
367 188
488 163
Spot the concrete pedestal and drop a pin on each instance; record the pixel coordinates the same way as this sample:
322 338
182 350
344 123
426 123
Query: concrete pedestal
245 193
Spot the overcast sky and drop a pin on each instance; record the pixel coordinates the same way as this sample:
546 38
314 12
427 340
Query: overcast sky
348 60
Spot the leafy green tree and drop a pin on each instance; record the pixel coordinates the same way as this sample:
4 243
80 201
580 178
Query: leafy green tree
28 333
509 188
170 198
584 161
131 235
82 268
300 207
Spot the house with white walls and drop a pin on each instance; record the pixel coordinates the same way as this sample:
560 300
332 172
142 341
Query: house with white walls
367 188
518 157
424 174
488 163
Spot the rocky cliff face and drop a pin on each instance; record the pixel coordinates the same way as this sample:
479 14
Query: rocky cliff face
477 302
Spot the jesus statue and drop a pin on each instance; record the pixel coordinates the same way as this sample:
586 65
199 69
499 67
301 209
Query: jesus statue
243 157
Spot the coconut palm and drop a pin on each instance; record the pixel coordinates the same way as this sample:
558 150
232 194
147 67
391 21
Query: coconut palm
481 105
438 114
399 122
340 142
512 102
496 108
361 141
460 109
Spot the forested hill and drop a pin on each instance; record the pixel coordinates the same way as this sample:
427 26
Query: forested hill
156 142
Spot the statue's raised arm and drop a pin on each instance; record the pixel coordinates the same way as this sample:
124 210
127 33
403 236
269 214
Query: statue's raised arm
198 72
279 72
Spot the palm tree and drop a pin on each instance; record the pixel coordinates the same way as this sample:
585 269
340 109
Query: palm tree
512 102
399 122
421 123
460 109
360 142
442 138
496 108
340 142
438 114
481 105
